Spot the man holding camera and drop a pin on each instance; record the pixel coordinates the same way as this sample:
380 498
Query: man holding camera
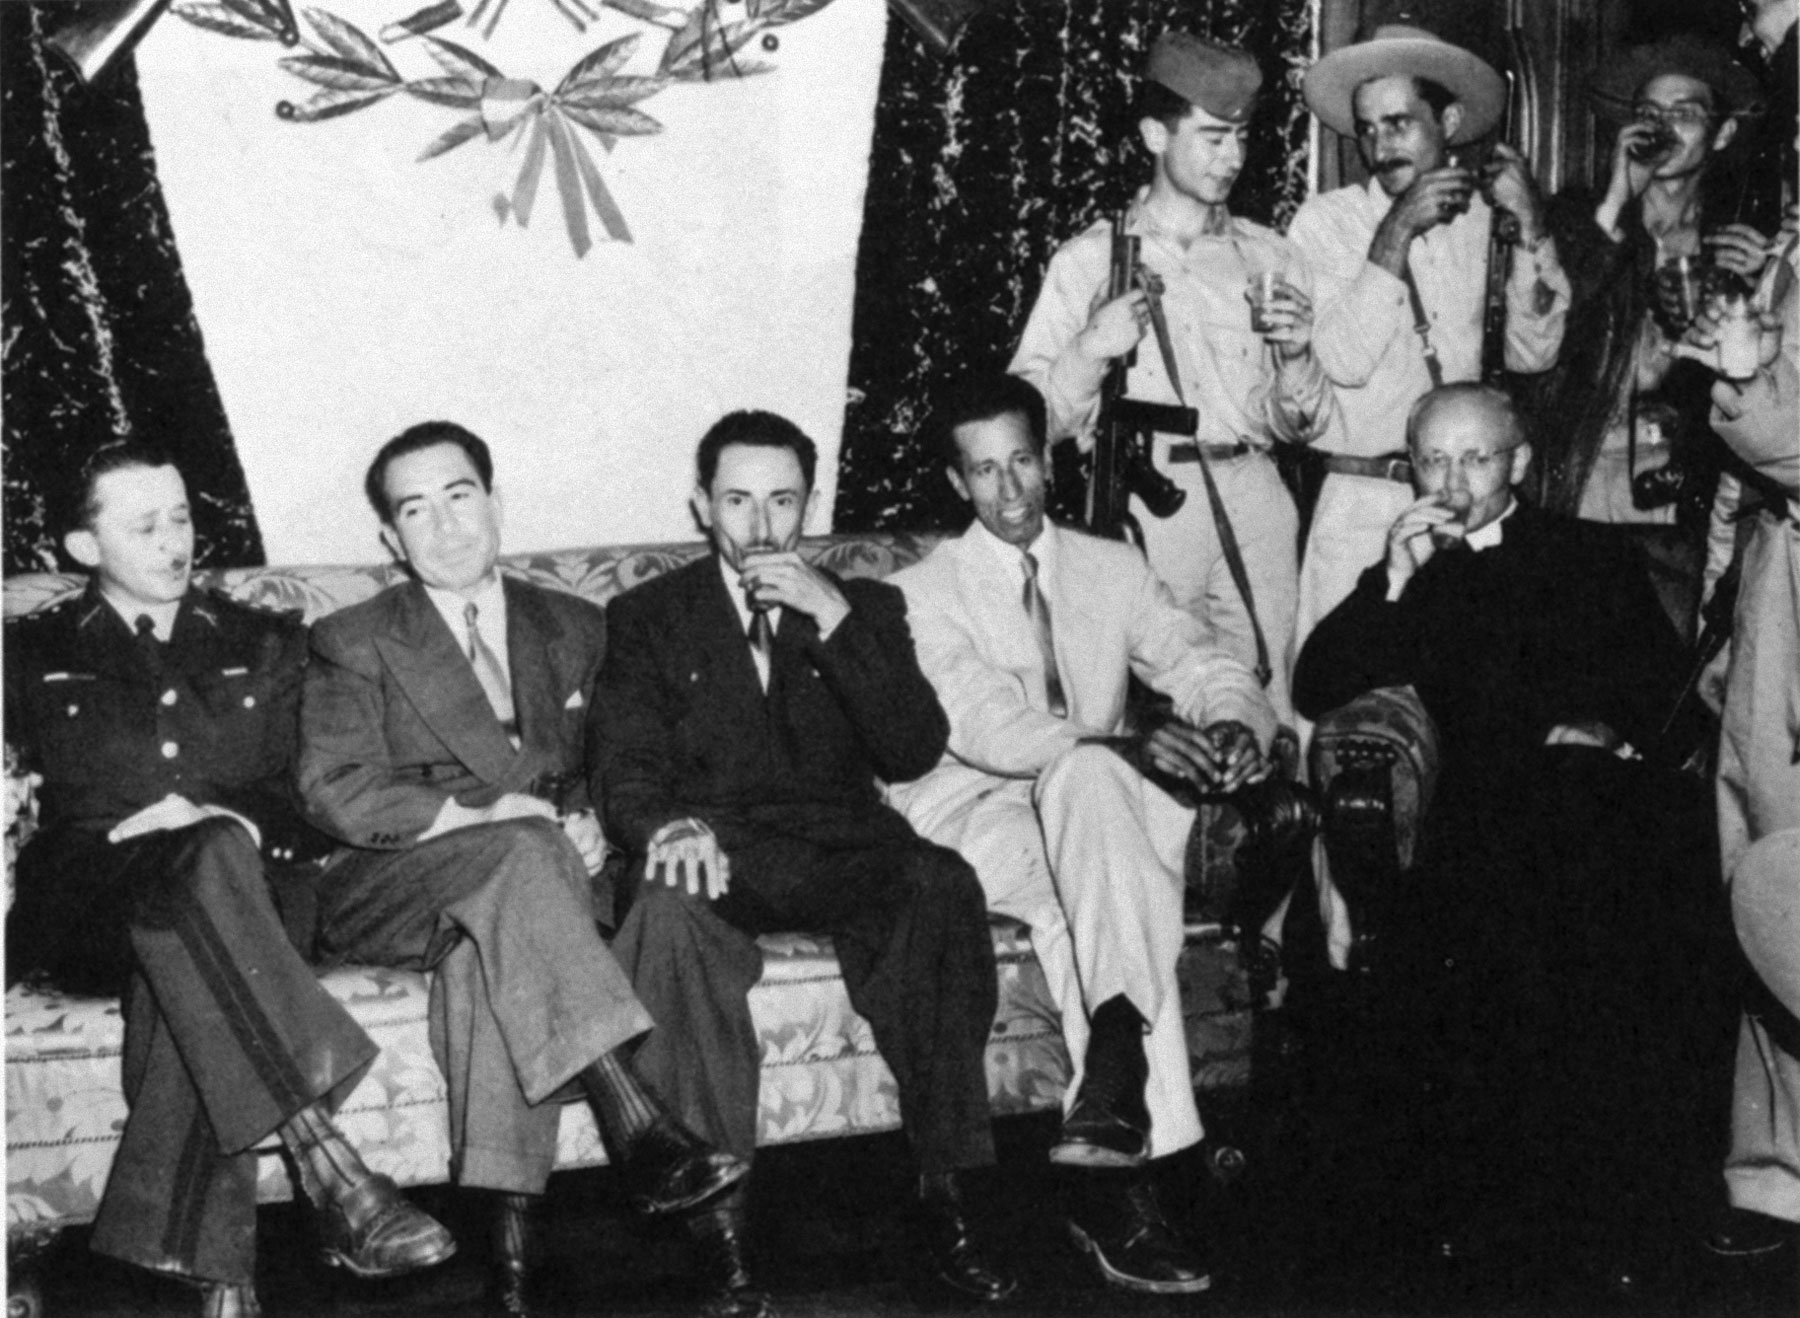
1400 263
1230 305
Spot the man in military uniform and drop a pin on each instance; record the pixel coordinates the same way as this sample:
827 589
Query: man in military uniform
162 719
1249 370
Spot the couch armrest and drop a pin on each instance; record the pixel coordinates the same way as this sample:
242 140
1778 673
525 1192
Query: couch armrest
1386 728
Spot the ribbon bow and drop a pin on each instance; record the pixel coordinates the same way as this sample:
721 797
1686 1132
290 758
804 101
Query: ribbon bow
591 96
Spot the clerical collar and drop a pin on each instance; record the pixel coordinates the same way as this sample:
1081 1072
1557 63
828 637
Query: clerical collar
1486 537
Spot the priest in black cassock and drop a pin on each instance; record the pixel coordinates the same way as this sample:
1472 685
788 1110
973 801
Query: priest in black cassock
1560 964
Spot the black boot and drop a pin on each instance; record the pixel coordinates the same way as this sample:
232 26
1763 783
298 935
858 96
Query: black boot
1108 1125
669 1169
721 1242
1121 1226
951 1263
510 1271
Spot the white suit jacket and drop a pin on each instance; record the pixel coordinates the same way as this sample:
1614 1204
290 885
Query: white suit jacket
1110 616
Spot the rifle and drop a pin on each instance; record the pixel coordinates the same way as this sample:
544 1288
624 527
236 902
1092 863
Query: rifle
1503 226
1122 462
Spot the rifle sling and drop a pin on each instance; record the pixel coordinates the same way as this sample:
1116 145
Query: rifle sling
1422 327
1234 557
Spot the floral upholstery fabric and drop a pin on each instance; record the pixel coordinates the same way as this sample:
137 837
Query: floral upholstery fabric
821 1074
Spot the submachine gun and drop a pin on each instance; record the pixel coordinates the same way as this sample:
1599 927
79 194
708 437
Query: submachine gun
1122 445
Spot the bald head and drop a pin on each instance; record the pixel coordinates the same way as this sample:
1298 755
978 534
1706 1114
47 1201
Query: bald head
1469 449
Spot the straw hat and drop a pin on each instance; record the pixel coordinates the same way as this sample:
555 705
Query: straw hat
1398 50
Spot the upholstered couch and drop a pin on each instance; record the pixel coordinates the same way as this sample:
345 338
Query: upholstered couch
821 1074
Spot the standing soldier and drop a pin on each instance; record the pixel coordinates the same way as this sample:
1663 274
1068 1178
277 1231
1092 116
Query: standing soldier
1248 369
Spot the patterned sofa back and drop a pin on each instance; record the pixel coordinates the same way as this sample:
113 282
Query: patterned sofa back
596 573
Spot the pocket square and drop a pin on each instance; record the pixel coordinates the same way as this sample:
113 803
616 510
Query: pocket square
574 702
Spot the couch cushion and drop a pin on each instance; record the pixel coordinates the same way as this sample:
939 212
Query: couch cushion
821 1075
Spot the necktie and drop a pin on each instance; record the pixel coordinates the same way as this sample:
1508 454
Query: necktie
148 646
491 675
1039 612
762 643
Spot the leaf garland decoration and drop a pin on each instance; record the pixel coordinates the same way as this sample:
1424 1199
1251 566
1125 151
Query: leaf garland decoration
352 72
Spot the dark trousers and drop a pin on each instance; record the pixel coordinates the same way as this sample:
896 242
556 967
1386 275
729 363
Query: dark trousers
910 927
227 1035
1574 997
524 992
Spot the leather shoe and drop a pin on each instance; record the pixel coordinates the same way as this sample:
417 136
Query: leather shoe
1743 1233
1108 1125
730 1291
1134 1247
374 1232
669 1169
952 1266
218 1300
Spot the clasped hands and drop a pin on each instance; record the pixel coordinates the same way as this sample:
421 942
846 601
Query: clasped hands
582 827
172 812
1219 758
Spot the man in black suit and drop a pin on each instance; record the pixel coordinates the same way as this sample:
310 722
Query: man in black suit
443 743
1560 949
748 705
162 719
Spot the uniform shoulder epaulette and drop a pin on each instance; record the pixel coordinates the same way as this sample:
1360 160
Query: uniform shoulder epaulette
219 599
63 608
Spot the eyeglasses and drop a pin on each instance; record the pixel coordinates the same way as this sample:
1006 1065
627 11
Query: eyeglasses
1684 115
1469 464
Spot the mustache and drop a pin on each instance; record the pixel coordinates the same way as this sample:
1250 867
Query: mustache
1393 166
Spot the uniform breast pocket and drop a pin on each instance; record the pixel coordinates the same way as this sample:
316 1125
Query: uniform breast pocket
235 699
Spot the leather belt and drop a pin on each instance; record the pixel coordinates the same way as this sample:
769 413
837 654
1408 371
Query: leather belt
1388 467
1214 452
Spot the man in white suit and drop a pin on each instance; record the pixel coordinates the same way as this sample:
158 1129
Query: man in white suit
1029 632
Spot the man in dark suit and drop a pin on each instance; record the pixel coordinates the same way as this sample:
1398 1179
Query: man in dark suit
161 719
748 707
1560 950
443 742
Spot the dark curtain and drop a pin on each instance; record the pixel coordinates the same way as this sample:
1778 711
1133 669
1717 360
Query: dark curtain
982 164
100 340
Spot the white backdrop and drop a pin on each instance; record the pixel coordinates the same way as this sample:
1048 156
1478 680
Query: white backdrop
345 291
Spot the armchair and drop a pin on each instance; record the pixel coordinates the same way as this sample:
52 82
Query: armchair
1374 764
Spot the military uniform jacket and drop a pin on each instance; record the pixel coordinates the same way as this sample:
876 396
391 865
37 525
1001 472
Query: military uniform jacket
212 717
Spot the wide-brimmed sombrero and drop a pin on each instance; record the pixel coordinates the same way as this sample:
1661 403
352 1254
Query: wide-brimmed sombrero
1617 83
1396 49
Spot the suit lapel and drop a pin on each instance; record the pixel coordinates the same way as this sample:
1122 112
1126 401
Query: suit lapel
533 648
432 670
719 632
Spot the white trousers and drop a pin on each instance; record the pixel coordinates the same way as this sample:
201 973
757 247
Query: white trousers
1759 795
1184 550
1089 855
